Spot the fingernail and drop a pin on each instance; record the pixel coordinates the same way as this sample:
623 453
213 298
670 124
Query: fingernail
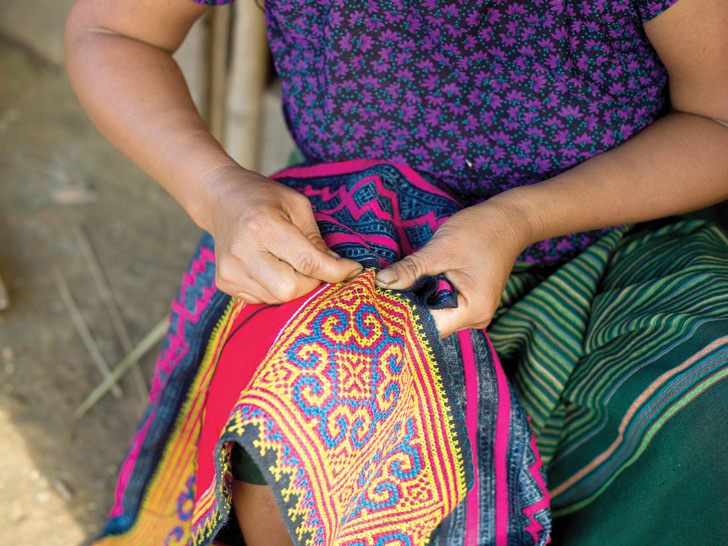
332 253
387 276
355 272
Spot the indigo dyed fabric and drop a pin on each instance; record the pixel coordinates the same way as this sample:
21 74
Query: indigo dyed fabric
367 428
618 357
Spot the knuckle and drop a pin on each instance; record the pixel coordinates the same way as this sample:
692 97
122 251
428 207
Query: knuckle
317 240
286 290
224 285
248 298
481 325
230 281
410 266
222 274
257 220
305 264
237 252
483 318
300 201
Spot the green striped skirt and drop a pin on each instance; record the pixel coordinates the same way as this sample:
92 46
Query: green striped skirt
627 340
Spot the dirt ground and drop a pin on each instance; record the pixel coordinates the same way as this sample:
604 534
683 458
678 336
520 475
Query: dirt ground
58 176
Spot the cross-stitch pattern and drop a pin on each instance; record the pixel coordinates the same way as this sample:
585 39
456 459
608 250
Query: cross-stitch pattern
357 415
349 419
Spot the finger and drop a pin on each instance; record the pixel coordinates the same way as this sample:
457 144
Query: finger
296 249
404 273
319 243
469 314
282 281
242 278
302 216
448 321
247 298
249 290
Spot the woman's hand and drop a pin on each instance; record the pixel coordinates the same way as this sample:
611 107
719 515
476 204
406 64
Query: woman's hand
267 245
119 58
475 249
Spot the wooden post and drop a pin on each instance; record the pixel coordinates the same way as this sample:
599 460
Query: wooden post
4 299
193 59
219 58
246 85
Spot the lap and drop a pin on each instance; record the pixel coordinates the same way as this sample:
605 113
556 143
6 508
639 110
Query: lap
611 346
674 491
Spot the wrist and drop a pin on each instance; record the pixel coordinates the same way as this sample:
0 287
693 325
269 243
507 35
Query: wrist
215 189
517 217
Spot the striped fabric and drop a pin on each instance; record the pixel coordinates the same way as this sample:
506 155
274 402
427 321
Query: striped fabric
610 346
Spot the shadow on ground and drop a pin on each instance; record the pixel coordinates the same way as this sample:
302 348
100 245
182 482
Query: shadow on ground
58 176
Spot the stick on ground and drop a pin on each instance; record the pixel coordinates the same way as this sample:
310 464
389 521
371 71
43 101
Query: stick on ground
111 307
82 328
143 347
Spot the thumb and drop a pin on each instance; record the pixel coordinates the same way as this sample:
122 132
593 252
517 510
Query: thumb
311 256
404 273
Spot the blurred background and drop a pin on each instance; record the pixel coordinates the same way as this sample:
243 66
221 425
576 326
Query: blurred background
91 255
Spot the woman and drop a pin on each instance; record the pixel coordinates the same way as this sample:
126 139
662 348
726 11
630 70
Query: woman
547 122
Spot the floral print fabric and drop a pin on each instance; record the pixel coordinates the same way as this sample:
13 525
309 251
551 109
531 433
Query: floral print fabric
484 95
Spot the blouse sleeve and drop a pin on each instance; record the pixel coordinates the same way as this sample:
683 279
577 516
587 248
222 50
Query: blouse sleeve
649 9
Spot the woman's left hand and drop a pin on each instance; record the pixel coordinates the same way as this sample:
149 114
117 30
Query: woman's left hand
475 249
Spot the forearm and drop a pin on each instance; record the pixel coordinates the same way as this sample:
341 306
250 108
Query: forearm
137 97
676 165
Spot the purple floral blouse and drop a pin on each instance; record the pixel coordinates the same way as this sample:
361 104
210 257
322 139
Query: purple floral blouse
484 95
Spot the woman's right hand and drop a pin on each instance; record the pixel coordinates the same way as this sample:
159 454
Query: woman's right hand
119 58
268 247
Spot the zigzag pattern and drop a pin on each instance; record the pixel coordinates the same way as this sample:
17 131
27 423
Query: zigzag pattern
379 214
196 291
535 528
341 418
185 317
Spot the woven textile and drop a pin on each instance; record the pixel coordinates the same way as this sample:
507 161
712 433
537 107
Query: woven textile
357 414
608 348
349 420
618 357
613 340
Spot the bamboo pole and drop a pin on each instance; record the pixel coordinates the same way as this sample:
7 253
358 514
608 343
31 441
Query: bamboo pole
246 85
4 298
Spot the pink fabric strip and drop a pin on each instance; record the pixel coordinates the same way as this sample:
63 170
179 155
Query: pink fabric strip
354 165
501 451
472 529
534 527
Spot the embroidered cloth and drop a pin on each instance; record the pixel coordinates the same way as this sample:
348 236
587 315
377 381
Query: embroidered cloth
369 430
